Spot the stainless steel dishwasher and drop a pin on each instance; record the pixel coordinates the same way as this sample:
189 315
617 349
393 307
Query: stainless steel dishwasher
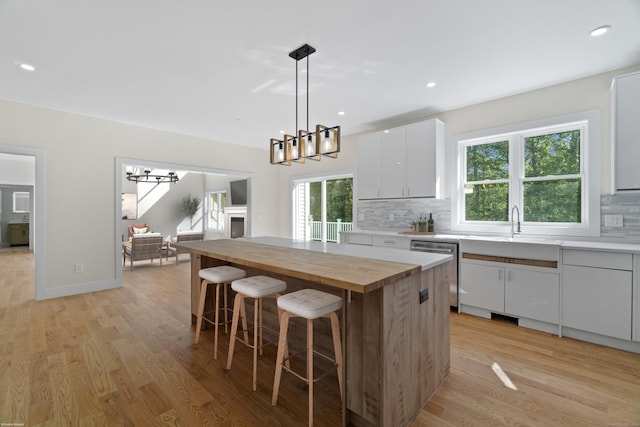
447 248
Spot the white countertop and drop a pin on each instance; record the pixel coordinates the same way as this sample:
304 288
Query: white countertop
426 260
595 244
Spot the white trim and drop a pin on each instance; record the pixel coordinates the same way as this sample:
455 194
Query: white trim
39 215
590 162
315 177
80 288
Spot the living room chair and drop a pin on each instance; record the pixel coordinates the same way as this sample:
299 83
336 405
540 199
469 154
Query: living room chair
143 246
138 229
183 236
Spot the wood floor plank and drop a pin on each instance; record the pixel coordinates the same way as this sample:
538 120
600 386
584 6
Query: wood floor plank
126 357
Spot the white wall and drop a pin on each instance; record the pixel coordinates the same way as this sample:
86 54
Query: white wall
17 170
80 178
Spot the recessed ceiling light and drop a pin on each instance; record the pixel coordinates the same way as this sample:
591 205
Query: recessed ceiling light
26 67
341 113
431 84
600 30
282 132
386 131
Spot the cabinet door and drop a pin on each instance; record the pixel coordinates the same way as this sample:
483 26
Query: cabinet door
532 294
482 286
626 104
421 159
394 163
597 300
369 165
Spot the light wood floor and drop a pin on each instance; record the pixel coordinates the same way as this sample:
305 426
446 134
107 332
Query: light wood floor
126 357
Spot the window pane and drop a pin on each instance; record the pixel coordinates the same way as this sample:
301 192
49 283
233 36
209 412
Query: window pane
487 202
223 200
339 199
488 161
552 154
315 200
553 201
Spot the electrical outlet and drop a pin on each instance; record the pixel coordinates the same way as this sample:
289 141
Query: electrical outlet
424 295
79 268
613 221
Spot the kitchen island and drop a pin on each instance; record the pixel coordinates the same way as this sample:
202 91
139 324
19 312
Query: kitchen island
395 317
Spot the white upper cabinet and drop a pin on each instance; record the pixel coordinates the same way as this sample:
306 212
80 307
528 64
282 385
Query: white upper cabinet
394 163
369 165
425 159
406 161
626 131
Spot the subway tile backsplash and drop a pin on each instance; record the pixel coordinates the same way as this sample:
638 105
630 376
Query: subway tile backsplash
627 205
392 214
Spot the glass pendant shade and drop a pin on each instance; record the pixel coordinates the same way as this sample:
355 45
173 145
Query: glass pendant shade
296 151
279 153
308 141
328 140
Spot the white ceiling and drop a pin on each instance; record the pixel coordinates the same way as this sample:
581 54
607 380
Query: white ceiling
220 69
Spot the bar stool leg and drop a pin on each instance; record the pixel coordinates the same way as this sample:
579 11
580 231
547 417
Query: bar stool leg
217 314
226 309
243 316
257 307
310 368
237 303
337 347
201 301
282 345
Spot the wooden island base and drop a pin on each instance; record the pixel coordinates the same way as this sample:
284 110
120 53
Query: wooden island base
396 347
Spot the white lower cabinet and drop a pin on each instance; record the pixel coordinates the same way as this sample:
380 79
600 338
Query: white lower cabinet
532 294
482 286
597 300
519 292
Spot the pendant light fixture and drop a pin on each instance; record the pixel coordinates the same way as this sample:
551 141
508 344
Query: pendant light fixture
305 144
146 176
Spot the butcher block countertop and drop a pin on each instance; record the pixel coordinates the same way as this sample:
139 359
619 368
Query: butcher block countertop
351 267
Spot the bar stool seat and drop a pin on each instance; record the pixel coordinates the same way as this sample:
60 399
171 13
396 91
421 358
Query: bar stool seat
309 304
221 276
256 287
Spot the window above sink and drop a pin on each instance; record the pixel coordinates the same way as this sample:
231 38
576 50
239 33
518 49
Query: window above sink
549 169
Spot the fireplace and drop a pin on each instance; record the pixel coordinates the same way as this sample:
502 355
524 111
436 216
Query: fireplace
237 227
235 222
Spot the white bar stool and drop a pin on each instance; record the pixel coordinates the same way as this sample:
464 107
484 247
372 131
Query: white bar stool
256 287
309 304
220 276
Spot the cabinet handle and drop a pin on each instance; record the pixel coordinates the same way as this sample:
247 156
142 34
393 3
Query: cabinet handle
408 191
510 275
499 274
403 192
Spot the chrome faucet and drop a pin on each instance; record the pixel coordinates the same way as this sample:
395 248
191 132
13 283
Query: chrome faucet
515 230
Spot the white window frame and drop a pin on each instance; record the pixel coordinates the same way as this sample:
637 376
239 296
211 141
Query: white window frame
209 209
323 178
589 172
20 199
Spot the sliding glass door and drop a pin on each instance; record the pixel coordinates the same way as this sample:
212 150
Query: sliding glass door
322 208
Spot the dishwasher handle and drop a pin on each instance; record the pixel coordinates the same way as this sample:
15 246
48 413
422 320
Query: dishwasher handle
432 250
